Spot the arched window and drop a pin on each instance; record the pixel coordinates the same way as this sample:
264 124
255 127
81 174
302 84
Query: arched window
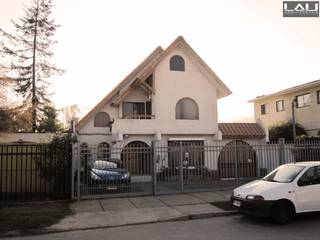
101 119
103 151
187 108
177 63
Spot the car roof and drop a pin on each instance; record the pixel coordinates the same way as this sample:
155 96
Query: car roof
306 164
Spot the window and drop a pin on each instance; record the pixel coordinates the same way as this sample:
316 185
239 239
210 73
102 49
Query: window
136 110
318 97
280 105
310 177
101 119
177 63
187 108
103 151
264 109
303 100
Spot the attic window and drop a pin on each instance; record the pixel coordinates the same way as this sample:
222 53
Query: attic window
177 63
101 119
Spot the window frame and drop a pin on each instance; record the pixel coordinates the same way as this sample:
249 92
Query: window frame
304 102
316 170
177 63
282 104
147 110
180 101
95 124
266 110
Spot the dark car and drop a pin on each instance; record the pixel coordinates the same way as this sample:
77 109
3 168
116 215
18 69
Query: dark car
109 172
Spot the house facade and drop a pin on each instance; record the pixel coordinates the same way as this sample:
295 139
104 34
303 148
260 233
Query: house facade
169 99
171 94
277 107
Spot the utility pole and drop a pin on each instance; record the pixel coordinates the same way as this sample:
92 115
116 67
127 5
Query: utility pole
293 106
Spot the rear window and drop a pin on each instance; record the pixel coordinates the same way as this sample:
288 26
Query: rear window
284 174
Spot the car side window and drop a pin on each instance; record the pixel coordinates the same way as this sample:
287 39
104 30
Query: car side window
310 177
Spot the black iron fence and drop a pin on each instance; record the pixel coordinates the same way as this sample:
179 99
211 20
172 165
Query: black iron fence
35 172
179 166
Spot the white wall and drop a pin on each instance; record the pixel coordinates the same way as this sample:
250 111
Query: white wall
170 87
26 137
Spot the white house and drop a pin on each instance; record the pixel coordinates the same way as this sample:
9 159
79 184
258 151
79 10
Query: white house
171 97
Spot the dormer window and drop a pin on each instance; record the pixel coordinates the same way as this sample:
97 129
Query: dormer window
101 119
177 63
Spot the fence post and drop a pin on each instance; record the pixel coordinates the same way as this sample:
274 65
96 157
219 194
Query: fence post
78 160
181 166
281 142
154 168
236 163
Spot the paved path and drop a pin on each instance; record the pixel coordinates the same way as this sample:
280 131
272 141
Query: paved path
225 228
90 214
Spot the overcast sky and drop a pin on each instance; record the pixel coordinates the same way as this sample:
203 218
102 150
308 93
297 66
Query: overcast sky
248 44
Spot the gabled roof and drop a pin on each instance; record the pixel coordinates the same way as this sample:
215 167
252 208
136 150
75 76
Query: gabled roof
241 131
144 69
288 90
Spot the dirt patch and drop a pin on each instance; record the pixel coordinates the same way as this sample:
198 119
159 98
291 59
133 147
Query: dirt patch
30 217
225 205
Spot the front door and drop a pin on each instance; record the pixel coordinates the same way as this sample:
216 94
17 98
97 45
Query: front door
308 190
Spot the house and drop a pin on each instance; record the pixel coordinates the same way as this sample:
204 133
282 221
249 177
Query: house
277 107
171 99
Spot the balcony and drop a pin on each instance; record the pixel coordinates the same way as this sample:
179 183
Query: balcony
139 116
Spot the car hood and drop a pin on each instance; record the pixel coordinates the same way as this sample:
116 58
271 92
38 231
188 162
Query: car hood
259 187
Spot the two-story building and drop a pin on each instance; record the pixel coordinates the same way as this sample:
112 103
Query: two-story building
170 98
276 107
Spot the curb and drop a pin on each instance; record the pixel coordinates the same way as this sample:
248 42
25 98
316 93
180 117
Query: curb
177 219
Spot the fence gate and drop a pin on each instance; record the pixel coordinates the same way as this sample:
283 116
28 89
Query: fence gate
177 166
101 171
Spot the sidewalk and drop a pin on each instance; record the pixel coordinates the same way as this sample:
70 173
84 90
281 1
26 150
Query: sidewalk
104 213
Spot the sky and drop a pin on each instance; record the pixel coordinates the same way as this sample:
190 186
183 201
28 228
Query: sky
247 43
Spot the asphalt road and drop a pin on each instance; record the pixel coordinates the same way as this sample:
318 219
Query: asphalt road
220 228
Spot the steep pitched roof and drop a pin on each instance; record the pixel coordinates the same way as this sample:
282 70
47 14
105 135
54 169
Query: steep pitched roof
289 90
145 68
241 131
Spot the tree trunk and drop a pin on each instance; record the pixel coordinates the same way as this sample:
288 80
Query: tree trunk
34 97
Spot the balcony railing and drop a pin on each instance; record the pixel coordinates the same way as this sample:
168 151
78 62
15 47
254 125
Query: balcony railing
139 116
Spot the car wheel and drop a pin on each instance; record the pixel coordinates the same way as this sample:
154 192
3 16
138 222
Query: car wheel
282 213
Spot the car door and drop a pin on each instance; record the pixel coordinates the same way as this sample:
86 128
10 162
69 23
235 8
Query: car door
307 192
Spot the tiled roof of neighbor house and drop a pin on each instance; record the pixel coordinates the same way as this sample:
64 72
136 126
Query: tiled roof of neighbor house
289 90
241 131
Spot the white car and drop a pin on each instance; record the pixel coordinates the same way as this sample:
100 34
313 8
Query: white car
288 190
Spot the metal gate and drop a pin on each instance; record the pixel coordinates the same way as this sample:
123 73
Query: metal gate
177 166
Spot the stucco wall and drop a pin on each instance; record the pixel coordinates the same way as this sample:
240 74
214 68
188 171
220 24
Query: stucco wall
307 116
170 86
26 137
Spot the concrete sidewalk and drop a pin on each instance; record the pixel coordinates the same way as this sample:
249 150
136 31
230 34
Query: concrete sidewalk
90 214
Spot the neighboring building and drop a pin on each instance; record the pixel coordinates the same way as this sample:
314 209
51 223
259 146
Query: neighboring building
277 107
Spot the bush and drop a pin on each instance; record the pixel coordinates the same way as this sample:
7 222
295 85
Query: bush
284 130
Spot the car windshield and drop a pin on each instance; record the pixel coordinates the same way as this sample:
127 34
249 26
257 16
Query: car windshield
104 165
284 174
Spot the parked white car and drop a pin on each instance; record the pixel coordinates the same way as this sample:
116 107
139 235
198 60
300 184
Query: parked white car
288 190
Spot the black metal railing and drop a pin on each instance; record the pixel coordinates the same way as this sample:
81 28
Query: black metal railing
35 172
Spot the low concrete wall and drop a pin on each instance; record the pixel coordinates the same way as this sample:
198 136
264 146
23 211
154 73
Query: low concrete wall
26 137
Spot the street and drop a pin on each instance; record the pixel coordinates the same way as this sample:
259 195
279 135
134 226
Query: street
221 228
